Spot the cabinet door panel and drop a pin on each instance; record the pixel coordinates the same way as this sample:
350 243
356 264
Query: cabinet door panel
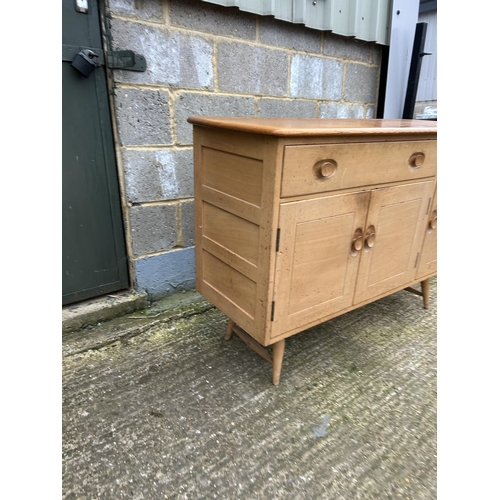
397 216
428 260
316 266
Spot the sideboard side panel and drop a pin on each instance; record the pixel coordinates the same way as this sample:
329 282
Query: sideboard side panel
234 219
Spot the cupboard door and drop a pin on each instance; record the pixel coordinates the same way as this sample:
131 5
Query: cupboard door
428 259
317 262
393 237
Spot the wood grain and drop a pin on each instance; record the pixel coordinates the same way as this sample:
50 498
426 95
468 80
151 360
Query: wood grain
316 269
428 258
398 215
313 127
358 164
353 203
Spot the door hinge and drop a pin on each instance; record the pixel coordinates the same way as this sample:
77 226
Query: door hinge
278 235
272 310
416 260
428 206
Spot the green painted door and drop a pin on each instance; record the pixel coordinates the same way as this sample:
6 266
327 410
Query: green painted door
94 260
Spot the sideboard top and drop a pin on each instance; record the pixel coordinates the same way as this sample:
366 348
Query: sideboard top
297 127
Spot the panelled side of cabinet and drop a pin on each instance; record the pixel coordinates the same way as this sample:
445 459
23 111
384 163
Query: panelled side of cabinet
235 178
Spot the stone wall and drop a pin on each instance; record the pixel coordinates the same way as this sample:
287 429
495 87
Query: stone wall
208 60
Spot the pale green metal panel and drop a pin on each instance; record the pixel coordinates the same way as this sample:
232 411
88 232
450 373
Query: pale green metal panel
315 13
339 18
367 20
280 9
363 18
283 10
261 7
383 20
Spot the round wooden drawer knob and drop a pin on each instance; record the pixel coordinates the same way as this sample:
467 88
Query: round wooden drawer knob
325 169
416 160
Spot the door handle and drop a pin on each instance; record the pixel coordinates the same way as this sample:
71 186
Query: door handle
357 242
370 238
433 222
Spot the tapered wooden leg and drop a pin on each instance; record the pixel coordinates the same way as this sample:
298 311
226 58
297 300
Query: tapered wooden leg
278 349
278 352
229 330
425 293
426 289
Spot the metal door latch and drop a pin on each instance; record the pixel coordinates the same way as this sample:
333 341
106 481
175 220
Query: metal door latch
126 59
86 59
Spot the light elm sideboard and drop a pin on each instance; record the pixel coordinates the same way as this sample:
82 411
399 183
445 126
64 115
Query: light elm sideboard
300 220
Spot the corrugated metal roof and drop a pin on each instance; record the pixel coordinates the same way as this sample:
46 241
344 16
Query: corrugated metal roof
367 20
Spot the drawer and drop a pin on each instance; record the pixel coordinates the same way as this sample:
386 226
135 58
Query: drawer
328 167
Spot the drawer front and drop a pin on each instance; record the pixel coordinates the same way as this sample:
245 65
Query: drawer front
328 167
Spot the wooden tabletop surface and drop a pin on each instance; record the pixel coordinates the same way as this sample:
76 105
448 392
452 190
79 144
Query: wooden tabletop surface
295 127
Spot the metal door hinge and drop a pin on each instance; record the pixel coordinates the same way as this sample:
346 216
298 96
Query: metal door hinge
278 234
428 206
272 310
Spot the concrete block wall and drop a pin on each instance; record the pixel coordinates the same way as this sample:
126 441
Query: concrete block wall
208 60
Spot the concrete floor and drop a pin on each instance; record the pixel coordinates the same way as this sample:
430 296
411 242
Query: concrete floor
173 411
